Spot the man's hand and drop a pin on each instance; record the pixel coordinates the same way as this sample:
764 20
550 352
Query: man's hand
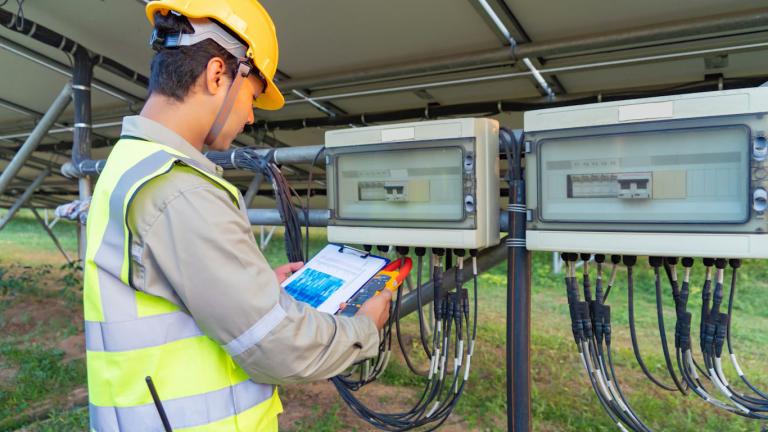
377 308
286 270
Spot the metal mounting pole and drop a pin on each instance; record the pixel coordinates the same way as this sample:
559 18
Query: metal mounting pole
29 146
23 198
518 355
82 75
253 189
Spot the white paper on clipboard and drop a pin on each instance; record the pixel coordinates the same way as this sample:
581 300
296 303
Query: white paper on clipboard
332 276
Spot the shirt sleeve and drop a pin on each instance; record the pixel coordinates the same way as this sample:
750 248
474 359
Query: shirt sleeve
204 248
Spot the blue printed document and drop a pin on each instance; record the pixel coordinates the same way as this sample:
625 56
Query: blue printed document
332 276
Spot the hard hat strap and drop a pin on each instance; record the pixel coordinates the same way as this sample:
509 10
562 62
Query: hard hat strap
243 70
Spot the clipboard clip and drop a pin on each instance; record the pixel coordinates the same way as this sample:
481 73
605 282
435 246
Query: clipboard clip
353 251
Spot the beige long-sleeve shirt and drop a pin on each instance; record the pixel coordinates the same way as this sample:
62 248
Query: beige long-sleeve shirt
191 246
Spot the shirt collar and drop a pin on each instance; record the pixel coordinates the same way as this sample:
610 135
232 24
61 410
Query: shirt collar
150 130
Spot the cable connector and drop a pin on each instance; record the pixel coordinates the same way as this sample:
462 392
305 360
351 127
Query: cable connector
720 333
683 332
606 313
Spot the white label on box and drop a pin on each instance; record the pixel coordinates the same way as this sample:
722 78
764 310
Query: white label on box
646 111
399 134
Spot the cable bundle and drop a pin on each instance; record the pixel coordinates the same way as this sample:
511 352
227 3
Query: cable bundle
452 327
714 332
590 323
249 159
591 327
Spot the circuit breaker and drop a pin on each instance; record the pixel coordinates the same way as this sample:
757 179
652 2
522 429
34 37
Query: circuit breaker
431 183
681 175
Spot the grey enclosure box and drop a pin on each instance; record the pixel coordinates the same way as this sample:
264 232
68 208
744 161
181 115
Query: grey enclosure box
678 176
432 184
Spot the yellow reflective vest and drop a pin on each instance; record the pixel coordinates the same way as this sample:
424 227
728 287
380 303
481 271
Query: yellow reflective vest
131 335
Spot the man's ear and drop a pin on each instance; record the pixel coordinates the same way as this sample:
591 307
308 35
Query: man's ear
216 76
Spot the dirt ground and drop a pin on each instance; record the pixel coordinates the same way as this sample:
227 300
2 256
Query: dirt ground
303 402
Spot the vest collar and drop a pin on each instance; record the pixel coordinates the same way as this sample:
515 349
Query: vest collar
150 130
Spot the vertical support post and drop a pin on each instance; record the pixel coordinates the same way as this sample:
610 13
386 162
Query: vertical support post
557 263
518 302
82 75
23 198
33 140
253 189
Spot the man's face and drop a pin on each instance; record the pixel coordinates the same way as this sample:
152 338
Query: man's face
241 114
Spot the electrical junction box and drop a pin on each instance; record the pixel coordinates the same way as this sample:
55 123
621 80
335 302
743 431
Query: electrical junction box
683 175
430 184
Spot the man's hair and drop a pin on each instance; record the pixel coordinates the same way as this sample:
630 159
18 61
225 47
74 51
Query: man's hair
174 71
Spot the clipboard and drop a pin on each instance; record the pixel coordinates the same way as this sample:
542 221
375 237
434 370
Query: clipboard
333 276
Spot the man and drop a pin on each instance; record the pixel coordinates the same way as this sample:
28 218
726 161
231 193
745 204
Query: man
177 292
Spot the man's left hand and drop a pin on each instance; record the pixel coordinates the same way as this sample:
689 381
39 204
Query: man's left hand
284 271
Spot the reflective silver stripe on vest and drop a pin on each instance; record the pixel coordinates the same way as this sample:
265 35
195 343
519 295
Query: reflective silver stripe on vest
117 302
182 412
140 333
253 335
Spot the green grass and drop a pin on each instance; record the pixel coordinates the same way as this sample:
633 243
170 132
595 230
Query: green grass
39 374
24 239
321 420
562 397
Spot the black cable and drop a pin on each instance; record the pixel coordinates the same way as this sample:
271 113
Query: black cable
451 311
599 259
735 264
629 262
400 343
420 252
306 205
615 261
250 159
580 322
655 263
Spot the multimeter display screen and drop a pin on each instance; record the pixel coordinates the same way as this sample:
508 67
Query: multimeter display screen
401 185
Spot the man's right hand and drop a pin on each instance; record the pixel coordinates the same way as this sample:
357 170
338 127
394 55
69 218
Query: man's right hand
377 308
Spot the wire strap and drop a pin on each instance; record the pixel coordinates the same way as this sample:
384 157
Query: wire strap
517 208
515 242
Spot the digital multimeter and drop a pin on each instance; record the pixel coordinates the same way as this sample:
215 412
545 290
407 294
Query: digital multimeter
389 278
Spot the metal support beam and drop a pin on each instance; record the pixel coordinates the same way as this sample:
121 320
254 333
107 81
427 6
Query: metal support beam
317 218
65 70
53 39
58 106
51 235
283 155
21 201
253 189
494 107
62 129
82 78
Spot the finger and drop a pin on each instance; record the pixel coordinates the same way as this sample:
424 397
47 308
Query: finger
295 265
342 306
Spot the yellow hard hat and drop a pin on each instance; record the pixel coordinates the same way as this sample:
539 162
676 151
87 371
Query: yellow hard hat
250 21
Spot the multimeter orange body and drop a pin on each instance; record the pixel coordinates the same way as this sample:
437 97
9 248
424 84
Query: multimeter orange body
389 278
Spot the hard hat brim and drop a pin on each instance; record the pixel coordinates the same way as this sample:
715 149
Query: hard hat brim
271 99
